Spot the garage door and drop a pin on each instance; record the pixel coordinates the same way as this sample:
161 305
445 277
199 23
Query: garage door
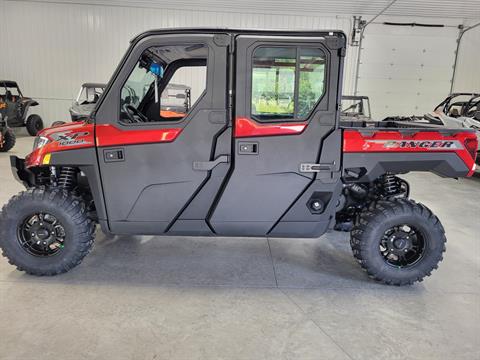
406 70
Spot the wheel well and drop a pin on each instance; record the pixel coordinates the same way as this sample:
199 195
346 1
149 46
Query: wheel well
357 196
74 179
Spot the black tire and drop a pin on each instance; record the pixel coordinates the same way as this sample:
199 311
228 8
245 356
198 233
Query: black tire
68 211
373 230
58 123
34 124
9 140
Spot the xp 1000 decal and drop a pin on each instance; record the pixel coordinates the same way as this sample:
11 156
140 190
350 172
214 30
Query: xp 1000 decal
72 138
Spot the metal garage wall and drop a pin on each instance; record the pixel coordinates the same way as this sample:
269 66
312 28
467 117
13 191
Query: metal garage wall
406 70
50 48
53 48
467 77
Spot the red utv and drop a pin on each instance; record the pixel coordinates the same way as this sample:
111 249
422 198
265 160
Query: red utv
260 152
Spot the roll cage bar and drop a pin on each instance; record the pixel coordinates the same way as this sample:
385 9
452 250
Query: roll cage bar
466 105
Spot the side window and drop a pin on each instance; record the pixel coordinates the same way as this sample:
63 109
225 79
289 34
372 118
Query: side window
184 89
287 82
165 84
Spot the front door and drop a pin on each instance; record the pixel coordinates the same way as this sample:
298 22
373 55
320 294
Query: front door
163 138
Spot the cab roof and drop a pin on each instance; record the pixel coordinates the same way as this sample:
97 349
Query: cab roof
8 83
276 32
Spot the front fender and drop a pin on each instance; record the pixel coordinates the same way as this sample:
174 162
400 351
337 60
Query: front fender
30 102
21 173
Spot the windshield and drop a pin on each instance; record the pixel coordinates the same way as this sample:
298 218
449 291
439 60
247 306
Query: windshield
10 90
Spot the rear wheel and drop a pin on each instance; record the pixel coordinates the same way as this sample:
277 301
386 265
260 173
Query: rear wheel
9 140
398 242
45 232
34 124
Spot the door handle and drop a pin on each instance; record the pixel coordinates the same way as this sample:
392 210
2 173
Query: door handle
209 165
312 168
113 155
248 148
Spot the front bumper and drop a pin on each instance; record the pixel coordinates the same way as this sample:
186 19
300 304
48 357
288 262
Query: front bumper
20 172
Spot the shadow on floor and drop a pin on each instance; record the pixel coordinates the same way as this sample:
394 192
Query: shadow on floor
326 262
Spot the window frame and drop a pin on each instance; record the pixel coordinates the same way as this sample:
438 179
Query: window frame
296 89
194 106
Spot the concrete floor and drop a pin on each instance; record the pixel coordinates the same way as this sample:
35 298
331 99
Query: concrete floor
223 298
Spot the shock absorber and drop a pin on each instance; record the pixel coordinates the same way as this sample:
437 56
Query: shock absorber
390 185
67 178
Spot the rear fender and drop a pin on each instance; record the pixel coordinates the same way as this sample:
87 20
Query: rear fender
368 155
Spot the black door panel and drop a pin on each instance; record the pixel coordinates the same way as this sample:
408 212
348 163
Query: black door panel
266 192
148 190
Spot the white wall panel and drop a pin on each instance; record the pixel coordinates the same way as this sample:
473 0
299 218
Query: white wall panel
467 77
69 44
464 9
405 70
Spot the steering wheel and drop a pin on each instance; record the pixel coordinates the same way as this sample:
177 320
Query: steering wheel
131 111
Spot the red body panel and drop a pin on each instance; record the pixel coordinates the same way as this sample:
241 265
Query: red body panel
423 141
75 135
78 135
245 127
109 135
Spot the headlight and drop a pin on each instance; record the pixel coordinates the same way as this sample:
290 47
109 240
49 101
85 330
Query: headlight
40 141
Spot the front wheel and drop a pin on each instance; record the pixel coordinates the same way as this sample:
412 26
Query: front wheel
34 124
398 242
45 232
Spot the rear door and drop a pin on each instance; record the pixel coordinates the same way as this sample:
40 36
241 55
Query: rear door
160 153
287 92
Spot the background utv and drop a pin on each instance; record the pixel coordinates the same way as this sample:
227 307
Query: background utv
16 107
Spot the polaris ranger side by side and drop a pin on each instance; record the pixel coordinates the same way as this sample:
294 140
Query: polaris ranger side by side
260 152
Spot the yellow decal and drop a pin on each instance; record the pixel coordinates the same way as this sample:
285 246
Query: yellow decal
46 159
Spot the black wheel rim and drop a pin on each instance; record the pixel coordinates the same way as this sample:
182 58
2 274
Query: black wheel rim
41 234
402 246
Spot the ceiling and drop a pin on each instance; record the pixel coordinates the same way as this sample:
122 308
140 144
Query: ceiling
461 9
